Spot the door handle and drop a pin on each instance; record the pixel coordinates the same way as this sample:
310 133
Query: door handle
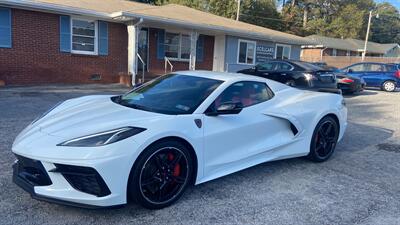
283 74
266 74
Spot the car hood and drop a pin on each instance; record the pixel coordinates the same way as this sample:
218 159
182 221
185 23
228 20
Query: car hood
89 115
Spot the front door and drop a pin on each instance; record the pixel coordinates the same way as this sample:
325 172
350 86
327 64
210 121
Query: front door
231 141
143 47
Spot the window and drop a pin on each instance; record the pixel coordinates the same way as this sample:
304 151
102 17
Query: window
357 68
334 52
177 46
84 36
172 94
246 52
247 93
374 67
266 66
284 67
283 51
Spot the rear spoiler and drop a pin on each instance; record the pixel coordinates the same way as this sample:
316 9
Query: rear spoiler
330 90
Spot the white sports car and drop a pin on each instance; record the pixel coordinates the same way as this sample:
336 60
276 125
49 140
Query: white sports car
186 127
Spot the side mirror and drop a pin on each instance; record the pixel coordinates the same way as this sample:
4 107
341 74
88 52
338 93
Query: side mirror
350 71
226 109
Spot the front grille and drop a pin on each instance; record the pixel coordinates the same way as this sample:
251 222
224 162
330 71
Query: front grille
32 171
85 179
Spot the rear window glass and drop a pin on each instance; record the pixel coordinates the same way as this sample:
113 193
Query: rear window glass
308 66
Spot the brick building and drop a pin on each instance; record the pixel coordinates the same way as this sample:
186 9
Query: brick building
85 41
327 46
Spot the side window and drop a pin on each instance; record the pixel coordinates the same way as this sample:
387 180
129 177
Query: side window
266 66
284 67
357 68
375 68
247 93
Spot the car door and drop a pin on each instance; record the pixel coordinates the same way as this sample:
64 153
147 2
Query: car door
356 70
230 141
283 72
373 74
266 70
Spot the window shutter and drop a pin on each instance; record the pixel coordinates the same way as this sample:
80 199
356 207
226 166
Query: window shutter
200 49
103 38
5 27
65 34
160 44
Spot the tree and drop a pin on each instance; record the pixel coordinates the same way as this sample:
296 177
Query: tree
386 28
262 13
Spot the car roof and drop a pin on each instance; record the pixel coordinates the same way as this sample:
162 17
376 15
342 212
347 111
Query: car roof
224 76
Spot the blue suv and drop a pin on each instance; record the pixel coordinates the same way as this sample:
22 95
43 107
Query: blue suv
384 76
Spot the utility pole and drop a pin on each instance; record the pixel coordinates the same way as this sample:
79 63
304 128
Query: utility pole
366 38
238 10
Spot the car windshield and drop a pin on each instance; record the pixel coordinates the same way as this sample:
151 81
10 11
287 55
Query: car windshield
171 94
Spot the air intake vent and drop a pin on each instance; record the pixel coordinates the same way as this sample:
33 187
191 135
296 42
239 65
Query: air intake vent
294 129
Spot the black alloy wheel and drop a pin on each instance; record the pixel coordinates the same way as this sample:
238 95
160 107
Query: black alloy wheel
324 139
161 175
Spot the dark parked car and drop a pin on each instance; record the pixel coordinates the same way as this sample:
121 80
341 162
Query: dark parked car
294 73
325 66
384 76
349 84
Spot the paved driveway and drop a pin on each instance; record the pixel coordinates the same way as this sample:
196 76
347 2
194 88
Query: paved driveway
359 185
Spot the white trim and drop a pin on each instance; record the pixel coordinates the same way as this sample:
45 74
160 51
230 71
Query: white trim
283 45
254 53
96 28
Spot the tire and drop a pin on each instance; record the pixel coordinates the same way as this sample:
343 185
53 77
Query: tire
323 142
168 180
291 83
389 86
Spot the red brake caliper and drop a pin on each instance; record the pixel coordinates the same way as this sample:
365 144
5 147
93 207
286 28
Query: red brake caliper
177 168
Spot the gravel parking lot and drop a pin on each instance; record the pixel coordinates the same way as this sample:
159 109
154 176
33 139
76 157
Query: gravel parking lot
359 185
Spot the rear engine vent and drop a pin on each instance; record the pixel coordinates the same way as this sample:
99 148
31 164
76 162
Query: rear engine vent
294 129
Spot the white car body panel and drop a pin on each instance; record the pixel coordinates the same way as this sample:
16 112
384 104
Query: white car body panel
223 145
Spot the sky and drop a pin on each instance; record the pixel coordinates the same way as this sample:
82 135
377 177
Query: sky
393 2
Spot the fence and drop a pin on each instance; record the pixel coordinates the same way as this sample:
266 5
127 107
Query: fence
343 61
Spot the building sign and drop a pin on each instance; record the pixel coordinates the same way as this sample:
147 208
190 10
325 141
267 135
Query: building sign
264 53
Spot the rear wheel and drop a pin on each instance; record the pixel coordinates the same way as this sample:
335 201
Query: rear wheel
323 142
389 86
161 175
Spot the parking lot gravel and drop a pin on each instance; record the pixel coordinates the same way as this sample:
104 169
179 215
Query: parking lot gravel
360 184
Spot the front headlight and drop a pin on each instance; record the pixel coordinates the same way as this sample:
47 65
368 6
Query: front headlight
103 138
47 112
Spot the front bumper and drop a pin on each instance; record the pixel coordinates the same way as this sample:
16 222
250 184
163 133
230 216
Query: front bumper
76 186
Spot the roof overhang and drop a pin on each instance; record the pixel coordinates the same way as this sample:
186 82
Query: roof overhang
125 16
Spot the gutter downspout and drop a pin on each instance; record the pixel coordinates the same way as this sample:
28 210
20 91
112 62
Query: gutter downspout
322 53
133 35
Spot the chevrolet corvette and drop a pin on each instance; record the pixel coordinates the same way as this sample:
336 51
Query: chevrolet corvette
180 129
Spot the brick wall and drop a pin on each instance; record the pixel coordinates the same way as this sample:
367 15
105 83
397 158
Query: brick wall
157 66
35 57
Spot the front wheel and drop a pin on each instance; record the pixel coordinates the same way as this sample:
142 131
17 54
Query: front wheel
324 139
160 175
389 86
